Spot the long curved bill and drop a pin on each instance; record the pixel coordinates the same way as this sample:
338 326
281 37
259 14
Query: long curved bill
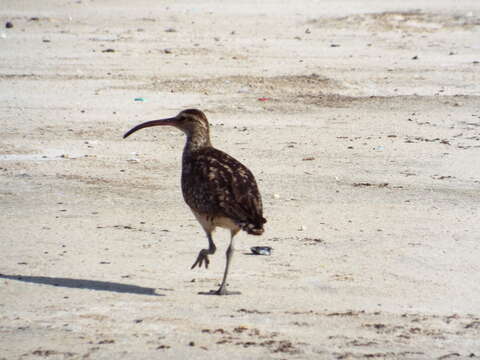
169 121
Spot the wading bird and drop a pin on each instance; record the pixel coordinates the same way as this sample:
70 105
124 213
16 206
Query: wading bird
219 189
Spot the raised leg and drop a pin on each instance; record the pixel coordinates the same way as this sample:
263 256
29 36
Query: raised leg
223 287
202 257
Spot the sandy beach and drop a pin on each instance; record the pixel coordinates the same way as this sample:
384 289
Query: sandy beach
359 119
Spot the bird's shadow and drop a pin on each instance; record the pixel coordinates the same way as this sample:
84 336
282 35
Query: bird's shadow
84 284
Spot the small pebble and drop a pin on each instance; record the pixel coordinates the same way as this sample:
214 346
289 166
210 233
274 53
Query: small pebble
276 196
302 228
8 25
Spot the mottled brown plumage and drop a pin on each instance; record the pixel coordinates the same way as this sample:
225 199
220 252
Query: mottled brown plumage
219 189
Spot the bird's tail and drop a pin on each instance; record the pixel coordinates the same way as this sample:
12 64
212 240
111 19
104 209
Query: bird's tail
254 227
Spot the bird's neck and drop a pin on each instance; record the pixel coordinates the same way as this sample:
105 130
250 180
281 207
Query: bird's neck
196 141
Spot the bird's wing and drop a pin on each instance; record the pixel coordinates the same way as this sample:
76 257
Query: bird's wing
215 183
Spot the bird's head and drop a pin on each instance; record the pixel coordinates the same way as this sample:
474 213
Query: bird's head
190 121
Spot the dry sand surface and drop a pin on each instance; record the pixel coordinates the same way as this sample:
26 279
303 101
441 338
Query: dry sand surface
359 119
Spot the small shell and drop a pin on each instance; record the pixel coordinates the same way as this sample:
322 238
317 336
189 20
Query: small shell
261 250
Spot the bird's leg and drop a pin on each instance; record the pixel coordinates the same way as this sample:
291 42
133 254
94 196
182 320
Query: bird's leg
203 254
223 287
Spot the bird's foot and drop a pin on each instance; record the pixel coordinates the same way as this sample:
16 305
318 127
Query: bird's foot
222 290
225 292
202 258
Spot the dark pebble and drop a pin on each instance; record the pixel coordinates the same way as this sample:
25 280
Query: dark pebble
8 25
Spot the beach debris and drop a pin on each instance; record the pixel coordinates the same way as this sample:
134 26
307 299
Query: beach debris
366 184
106 341
261 250
8 25
140 99
312 241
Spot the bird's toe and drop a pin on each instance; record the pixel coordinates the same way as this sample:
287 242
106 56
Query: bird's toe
201 259
224 291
